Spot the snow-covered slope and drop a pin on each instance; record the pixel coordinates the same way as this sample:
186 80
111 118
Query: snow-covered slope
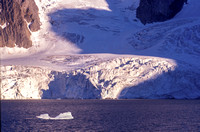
80 26
87 49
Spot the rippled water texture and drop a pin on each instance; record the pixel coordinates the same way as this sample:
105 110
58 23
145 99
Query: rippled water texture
101 115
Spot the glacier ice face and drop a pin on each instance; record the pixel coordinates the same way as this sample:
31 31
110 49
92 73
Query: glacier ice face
23 82
182 83
121 77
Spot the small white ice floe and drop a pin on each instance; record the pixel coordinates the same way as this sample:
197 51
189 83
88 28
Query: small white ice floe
61 116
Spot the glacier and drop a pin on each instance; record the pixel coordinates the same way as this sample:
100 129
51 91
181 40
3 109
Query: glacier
99 50
118 78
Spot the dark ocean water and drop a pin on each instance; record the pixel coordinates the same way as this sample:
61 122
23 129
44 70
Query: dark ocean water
102 115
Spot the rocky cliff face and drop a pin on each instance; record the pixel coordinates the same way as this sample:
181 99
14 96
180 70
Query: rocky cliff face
158 10
17 19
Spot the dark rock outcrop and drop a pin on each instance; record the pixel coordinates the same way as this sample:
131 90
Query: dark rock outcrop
14 14
158 10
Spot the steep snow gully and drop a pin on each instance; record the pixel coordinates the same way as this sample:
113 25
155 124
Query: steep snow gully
159 60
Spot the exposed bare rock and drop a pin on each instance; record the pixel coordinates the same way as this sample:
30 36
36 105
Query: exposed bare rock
15 15
158 10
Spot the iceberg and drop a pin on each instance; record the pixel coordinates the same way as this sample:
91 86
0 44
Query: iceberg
61 116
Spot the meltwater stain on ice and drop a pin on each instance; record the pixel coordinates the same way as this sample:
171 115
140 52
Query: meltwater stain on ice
61 116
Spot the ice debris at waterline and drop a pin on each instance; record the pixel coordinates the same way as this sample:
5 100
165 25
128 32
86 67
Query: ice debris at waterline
61 116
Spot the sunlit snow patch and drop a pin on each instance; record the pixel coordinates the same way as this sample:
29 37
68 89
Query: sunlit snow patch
4 25
61 116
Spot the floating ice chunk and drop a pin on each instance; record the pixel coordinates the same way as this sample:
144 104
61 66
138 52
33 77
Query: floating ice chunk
44 116
61 116
66 115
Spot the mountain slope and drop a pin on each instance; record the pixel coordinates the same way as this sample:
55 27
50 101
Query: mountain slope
17 20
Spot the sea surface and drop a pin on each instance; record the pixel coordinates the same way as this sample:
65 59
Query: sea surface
101 115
